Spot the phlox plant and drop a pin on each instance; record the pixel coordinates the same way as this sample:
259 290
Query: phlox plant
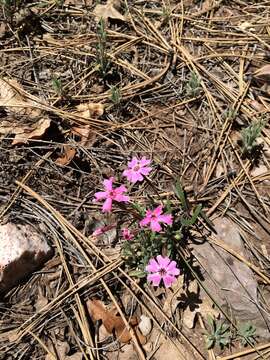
149 243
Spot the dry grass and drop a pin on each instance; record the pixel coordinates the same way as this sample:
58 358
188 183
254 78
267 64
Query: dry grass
189 134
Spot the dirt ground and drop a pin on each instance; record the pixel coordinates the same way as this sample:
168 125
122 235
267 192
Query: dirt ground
183 83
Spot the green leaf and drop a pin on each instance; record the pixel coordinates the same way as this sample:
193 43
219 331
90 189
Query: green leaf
137 273
210 343
180 193
185 222
211 322
195 214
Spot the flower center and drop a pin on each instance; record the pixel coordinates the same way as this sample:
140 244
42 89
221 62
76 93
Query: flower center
136 168
112 193
162 272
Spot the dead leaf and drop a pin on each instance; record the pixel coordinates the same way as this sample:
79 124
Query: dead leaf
3 29
207 4
89 110
32 133
76 356
88 137
15 103
256 105
108 11
113 322
263 74
67 157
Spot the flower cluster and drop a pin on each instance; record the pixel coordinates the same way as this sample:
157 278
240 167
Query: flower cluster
161 268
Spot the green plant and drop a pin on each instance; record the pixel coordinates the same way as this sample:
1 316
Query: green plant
246 332
57 85
249 137
193 86
166 14
219 334
115 95
102 58
147 244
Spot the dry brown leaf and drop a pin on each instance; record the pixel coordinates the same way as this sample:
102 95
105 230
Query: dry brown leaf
76 356
17 104
88 137
67 157
89 110
14 102
108 11
96 310
113 322
256 105
35 132
207 4
263 74
3 29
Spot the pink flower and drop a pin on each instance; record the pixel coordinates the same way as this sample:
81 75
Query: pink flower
136 169
162 269
111 194
126 234
101 230
155 217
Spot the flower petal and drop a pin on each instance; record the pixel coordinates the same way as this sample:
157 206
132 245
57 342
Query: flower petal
136 176
158 210
172 269
168 280
163 261
107 206
145 221
121 198
100 195
152 266
155 226
108 183
145 170
166 218
144 161
133 162
128 174
154 278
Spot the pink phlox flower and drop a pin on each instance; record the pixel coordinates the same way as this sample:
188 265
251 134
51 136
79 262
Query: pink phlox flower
137 169
127 234
162 268
155 217
111 194
103 229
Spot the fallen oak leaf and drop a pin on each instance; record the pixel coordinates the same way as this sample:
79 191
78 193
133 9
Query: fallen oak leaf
34 133
87 136
89 110
14 102
67 157
113 322
108 11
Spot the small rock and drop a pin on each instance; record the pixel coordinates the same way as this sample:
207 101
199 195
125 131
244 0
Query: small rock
230 281
22 251
145 325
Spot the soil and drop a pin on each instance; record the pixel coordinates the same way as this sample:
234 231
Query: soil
174 82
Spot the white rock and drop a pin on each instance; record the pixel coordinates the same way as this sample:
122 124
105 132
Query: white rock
22 251
145 325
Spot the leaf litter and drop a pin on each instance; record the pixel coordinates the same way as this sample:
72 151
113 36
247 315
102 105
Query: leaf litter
132 128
